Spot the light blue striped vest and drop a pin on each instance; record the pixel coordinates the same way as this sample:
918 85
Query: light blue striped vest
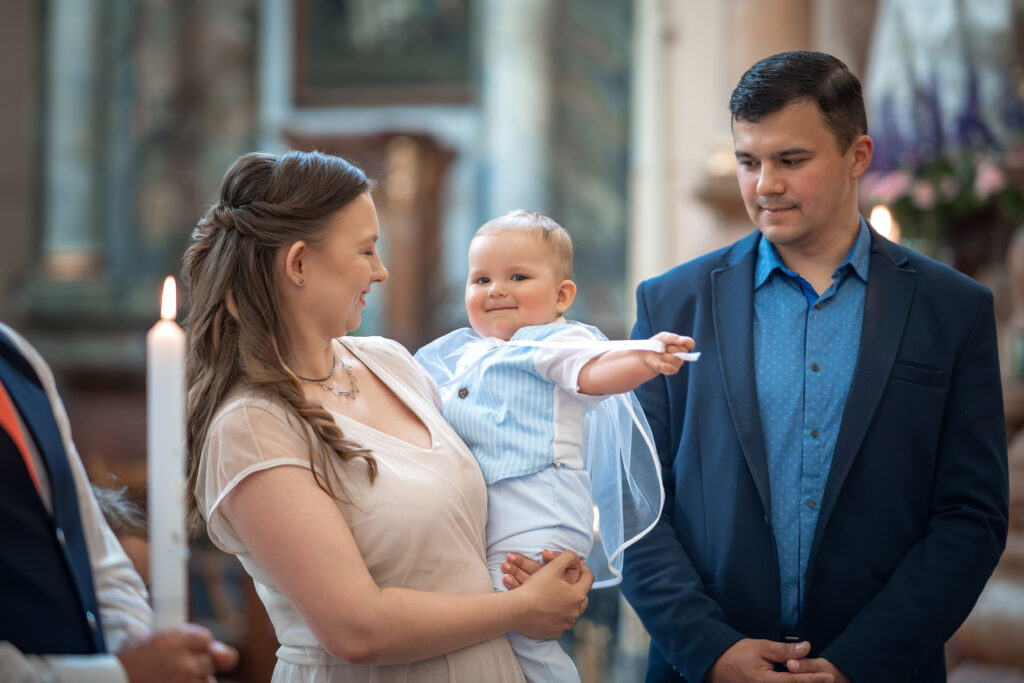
495 399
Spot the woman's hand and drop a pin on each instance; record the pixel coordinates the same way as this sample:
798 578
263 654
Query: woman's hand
551 603
518 569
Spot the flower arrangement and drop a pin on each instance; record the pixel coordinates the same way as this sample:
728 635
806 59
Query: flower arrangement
947 119
943 192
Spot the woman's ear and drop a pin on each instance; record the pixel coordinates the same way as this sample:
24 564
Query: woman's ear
293 266
566 294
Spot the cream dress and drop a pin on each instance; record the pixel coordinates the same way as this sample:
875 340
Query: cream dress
420 525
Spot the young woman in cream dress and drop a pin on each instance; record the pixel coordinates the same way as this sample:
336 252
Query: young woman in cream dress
322 461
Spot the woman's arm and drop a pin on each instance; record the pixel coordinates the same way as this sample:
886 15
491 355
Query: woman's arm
617 372
298 535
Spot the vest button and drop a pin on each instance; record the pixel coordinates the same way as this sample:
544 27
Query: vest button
91 618
61 538
463 392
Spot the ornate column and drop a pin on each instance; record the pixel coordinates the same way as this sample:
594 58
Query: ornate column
516 103
70 245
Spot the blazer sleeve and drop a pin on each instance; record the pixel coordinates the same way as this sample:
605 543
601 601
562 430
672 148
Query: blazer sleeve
933 589
659 579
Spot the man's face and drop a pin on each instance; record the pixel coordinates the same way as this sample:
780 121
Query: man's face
799 189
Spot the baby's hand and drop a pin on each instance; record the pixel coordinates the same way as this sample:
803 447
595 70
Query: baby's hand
666 363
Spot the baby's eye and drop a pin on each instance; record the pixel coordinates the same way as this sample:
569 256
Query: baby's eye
481 280
519 277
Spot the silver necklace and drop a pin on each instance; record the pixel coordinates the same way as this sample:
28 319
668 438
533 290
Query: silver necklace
322 381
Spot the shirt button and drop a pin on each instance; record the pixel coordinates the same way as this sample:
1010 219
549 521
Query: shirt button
817 306
814 367
811 503
61 538
814 433
91 618
463 392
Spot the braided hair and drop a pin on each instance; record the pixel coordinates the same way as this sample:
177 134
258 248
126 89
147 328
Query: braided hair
236 334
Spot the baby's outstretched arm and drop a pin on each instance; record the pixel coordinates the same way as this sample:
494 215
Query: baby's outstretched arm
617 372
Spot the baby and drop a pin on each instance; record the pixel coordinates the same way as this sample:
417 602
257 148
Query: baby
525 390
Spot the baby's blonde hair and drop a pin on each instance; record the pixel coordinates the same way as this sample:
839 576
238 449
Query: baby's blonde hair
542 226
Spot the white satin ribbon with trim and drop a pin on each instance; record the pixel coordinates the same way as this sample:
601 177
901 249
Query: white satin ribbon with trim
605 345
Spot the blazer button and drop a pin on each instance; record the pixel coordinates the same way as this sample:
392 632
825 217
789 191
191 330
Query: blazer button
91 618
463 392
61 538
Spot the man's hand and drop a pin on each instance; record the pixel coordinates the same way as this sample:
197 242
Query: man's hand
755 660
188 654
817 665
518 569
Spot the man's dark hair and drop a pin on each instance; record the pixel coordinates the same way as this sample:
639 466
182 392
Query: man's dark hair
779 80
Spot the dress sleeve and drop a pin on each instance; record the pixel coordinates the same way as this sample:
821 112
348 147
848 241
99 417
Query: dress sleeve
248 435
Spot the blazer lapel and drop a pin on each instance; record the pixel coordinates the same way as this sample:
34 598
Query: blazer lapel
890 292
732 294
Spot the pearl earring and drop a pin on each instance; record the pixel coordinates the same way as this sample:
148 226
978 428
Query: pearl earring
301 282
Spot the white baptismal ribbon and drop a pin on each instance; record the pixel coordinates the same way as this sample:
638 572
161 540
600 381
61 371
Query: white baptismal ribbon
605 345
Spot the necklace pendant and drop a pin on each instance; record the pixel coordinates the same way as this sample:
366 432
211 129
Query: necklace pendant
338 392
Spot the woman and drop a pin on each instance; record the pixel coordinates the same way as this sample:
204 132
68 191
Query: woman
322 461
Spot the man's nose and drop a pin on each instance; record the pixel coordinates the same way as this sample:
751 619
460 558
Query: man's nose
770 182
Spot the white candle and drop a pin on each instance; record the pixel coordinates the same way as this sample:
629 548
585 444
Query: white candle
165 415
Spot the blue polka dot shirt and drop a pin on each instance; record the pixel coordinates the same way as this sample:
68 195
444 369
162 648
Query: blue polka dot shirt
805 349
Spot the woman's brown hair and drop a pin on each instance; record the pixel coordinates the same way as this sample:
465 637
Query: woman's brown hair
236 335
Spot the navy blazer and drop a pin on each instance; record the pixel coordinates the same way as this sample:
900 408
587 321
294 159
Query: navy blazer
914 514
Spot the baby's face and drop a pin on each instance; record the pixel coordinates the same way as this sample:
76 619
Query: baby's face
513 282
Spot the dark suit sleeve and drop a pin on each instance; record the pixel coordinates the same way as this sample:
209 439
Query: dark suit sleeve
933 589
659 580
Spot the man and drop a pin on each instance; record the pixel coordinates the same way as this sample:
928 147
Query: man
68 592
835 464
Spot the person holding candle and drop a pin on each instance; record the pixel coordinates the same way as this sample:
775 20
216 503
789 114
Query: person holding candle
322 460
74 609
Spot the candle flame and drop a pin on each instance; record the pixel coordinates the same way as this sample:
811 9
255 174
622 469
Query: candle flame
169 302
882 221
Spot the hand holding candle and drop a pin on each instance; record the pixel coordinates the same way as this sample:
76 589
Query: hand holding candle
165 414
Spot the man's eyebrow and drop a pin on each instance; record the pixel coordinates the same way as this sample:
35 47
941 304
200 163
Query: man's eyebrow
788 152
791 151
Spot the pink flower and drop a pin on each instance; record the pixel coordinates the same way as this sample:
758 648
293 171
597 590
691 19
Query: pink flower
886 188
922 194
989 179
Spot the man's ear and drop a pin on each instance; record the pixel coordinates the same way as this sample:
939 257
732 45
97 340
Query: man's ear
863 148
293 266
566 294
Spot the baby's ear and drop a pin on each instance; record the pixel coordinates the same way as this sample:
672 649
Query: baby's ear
566 294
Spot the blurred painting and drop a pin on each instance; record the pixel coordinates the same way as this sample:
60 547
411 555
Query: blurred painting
360 52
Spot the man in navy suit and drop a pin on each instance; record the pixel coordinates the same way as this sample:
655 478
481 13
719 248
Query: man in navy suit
835 463
72 607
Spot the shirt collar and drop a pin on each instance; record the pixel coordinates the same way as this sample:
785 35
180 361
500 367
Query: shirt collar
858 259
